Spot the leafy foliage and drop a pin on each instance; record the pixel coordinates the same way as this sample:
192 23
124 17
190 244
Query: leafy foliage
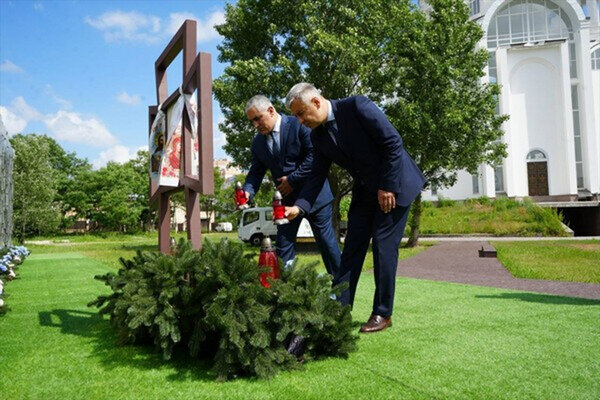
424 70
35 187
211 302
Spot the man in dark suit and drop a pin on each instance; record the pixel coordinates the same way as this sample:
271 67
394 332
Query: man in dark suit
283 146
355 134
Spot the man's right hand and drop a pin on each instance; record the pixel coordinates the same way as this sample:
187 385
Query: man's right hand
292 212
247 195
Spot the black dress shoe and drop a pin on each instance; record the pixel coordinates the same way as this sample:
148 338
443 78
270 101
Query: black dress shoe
296 347
376 323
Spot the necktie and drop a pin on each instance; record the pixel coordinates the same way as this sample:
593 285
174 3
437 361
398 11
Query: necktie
275 146
331 128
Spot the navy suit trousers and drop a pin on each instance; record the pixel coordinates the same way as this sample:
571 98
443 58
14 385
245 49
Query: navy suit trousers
366 221
320 222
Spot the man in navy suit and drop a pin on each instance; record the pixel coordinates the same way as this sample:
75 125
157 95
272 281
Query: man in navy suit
355 134
283 146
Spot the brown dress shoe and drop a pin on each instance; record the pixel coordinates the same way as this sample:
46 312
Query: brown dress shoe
376 323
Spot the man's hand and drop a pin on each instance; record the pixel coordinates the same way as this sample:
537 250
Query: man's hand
292 212
387 200
246 194
284 186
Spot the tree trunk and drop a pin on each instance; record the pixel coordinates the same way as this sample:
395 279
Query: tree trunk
415 223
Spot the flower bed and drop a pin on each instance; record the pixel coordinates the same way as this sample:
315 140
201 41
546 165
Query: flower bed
10 260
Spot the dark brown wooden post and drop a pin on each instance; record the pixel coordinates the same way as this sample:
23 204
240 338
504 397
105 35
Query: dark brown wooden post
196 76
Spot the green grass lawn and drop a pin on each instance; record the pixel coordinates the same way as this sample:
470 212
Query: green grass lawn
573 261
448 341
108 248
500 217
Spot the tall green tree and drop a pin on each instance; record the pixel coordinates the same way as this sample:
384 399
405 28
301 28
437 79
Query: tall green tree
67 166
114 197
424 71
210 203
443 111
272 45
35 187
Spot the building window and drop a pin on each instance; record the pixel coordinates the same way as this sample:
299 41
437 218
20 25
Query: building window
499 178
528 21
475 180
577 136
596 59
536 155
474 7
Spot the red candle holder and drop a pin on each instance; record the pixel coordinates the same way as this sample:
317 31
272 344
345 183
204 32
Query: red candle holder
268 258
240 197
279 210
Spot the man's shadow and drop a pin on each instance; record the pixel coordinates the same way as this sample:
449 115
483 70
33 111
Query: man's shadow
542 298
97 327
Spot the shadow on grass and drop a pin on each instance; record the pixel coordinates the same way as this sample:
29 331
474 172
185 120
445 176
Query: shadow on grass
142 247
542 298
94 326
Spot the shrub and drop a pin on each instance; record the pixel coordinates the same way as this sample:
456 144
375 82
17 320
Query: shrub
211 303
443 202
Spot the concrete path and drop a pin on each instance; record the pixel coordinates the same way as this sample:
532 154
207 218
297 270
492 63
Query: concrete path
459 262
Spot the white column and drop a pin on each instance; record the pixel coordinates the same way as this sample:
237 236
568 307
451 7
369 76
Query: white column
589 139
593 10
568 137
488 183
503 81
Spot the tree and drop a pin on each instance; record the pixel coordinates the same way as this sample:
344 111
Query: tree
209 203
423 70
114 197
67 167
35 186
445 114
272 45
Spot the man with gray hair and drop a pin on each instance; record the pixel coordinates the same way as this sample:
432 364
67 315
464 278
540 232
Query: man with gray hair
283 146
355 134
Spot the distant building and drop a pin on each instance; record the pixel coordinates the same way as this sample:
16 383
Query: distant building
228 172
545 54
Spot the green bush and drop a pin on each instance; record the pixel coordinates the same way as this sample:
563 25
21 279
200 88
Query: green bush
504 203
211 302
443 202
484 200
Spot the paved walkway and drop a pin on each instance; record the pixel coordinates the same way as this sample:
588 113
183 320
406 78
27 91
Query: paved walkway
459 262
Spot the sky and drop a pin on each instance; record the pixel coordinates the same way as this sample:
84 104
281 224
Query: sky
82 71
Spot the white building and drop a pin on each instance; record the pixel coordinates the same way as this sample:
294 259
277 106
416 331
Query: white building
545 54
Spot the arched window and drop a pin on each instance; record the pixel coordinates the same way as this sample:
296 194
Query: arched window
474 7
528 21
596 59
536 155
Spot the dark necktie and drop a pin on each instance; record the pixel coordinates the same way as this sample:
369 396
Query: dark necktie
275 146
332 130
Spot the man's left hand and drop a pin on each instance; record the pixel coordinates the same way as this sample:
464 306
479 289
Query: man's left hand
387 200
284 186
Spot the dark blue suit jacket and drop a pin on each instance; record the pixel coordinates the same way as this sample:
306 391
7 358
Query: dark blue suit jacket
370 149
295 162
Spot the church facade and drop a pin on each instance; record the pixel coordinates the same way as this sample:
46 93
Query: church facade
545 55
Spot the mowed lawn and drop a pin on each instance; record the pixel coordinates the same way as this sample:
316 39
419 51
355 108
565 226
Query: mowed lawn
572 261
448 341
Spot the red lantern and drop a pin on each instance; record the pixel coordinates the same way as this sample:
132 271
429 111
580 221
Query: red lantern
240 197
279 209
268 258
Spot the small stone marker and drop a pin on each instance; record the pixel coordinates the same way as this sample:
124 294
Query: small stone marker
487 251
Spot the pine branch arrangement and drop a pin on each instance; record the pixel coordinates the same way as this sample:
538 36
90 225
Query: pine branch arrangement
211 303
